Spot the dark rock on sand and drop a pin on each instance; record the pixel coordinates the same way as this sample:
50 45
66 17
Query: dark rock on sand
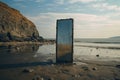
97 55
15 27
117 78
27 70
85 68
95 68
118 66
37 77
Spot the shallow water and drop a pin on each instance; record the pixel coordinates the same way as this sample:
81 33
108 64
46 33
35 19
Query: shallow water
46 53
97 51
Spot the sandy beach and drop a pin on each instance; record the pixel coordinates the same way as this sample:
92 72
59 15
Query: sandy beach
38 63
76 71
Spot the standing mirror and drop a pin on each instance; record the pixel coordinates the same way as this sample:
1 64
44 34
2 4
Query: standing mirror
64 41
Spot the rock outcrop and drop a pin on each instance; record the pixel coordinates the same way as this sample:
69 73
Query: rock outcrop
15 27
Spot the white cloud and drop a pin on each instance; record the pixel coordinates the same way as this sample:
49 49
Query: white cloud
84 1
85 25
106 6
18 0
38 0
59 1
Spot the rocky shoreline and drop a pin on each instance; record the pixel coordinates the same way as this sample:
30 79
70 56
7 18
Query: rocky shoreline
44 41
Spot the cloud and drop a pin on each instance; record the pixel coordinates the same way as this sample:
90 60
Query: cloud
106 6
18 0
59 2
85 25
83 1
38 0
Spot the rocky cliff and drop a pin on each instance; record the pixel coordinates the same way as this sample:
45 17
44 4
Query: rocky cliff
15 27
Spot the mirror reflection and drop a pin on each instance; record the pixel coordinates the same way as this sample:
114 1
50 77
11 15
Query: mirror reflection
64 44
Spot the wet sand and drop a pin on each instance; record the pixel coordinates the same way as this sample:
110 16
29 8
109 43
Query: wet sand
40 65
86 70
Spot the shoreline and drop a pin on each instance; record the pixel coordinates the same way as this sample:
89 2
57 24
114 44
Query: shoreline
30 67
26 42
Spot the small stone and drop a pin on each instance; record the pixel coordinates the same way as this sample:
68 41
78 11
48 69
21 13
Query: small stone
50 79
117 78
65 71
27 70
52 64
94 68
118 66
74 64
76 76
85 68
37 77
97 55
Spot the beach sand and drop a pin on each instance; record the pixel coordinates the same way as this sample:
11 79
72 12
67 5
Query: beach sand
22 65
86 70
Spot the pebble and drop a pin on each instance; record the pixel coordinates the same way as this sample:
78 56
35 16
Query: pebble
65 71
76 76
52 65
85 68
118 66
117 78
37 77
97 55
74 63
27 70
94 68
50 79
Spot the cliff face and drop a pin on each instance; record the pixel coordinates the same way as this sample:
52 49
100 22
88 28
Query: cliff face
15 27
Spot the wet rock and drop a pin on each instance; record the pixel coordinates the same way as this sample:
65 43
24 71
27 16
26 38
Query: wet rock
52 65
74 63
94 68
65 71
97 55
38 77
27 70
50 79
117 78
118 66
85 68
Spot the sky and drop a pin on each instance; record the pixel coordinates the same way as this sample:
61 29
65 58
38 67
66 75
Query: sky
92 18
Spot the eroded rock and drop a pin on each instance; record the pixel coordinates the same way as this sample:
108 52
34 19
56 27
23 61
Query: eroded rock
15 27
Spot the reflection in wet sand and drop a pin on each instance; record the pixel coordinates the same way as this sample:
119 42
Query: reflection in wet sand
19 48
64 53
84 68
11 54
